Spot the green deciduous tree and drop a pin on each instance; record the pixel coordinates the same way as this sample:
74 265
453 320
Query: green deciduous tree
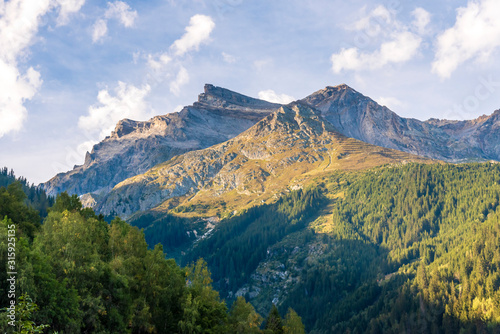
293 323
243 318
204 312
24 312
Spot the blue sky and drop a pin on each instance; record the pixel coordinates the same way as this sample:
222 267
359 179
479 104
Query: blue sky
70 69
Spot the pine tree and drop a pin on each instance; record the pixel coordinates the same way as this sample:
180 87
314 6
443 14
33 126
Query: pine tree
274 322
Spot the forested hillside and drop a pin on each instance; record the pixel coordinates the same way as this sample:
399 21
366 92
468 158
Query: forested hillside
75 273
35 196
412 248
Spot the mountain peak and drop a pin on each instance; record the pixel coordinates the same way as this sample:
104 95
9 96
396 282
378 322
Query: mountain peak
323 98
293 118
292 144
342 86
124 127
217 97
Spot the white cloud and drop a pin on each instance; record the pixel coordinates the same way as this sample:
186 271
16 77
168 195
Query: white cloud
84 147
475 35
15 89
373 23
271 96
68 7
19 23
197 32
390 102
100 30
128 101
421 19
181 79
158 62
117 10
401 48
169 65
398 43
178 108
121 11
228 58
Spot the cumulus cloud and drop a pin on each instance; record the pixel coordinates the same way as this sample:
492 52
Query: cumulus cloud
121 11
398 44
181 79
68 7
158 63
421 19
475 35
117 10
197 32
390 102
169 65
127 101
19 23
81 149
401 48
100 30
271 96
15 89
373 23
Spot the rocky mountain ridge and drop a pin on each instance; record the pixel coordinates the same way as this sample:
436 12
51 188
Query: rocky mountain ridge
135 146
285 148
358 116
220 114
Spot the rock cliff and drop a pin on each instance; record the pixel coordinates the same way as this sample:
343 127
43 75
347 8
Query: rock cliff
134 147
282 150
358 116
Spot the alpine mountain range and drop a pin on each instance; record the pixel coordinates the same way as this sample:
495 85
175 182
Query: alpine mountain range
129 162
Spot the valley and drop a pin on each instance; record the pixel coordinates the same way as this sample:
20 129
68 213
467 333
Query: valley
330 208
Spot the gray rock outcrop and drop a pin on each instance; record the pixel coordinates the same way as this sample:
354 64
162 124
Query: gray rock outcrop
134 147
358 116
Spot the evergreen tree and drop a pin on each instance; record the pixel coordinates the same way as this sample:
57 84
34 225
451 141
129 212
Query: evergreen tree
66 202
274 323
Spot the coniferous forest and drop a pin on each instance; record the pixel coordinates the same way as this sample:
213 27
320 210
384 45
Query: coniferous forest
412 248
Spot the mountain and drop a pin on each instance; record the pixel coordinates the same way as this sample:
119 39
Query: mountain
220 114
358 116
281 152
480 136
134 147
292 211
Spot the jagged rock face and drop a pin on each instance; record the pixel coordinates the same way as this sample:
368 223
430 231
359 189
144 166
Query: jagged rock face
358 116
134 147
479 137
263 160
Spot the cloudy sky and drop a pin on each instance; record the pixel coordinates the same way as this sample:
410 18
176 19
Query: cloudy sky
70 69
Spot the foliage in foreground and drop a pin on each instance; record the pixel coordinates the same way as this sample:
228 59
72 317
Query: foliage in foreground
83 275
